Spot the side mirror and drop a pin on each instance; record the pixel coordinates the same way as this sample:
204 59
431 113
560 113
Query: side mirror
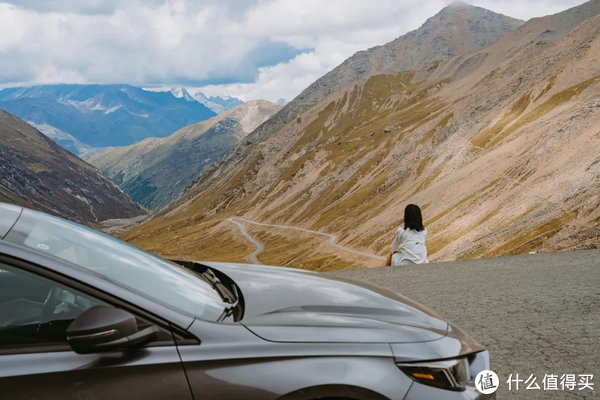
105 328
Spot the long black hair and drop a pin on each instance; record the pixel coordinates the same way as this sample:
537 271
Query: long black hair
412 218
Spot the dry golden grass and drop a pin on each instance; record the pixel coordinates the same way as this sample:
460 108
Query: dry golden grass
484 139
440 125
300 250
37 168
470 199
546 89
525 241
361 138
211 241
284 250
509 123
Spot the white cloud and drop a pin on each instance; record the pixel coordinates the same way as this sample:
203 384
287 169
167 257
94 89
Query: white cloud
339 28
170 42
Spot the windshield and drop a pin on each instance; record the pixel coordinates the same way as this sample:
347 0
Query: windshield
119 262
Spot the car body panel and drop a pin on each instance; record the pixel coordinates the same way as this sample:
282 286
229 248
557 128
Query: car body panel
455 344
60 373
285 305
234 341
148 372
233 363
277 378
302 336
422 392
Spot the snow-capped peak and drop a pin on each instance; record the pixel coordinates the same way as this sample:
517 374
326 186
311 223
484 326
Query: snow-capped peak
181 93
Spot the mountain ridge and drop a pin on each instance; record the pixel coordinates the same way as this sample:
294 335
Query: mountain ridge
37 173
156 170
359 65
102 115
335 80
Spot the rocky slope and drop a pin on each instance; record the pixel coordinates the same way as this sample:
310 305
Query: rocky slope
37 173
102 115
500 147
457 30
155 171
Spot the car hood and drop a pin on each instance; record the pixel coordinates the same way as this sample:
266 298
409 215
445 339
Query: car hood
289 305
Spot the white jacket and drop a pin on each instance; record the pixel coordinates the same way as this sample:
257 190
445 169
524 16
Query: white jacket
409 247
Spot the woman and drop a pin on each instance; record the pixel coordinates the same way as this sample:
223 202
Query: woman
409 244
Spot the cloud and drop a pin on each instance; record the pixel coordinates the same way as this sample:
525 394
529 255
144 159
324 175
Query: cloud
337 29
136 42
71 6
250 49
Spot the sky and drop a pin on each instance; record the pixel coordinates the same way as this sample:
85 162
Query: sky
250 49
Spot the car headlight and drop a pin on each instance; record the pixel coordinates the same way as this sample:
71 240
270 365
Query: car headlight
447 374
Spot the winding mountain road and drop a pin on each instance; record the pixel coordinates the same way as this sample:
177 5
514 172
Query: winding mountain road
331 239
253 258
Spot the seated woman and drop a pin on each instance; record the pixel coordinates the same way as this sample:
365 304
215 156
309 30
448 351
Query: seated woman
409 244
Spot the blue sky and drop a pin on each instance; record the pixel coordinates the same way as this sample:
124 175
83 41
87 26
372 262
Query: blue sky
249 49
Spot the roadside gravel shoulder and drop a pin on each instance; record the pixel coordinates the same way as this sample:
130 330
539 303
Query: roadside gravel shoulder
537 314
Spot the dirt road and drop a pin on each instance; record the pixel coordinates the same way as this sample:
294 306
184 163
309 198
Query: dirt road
331 239
259 247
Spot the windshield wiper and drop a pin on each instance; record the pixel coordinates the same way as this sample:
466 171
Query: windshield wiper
229 309
229 296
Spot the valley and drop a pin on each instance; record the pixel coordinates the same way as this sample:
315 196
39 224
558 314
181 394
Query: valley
487 122
155 171
497 144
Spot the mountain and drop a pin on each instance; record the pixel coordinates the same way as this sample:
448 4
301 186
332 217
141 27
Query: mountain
499 146
102 115
216 103
64 140
457 30
155 171
37 173
182 93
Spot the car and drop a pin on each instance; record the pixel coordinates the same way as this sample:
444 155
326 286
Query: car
86 316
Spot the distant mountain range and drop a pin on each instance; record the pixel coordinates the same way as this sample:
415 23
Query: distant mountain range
82 117
65 140
489 123
155 171
215 103
37 173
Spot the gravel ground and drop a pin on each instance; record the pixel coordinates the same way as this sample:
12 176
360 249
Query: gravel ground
537 314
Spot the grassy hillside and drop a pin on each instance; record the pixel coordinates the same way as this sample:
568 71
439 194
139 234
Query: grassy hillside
499 147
